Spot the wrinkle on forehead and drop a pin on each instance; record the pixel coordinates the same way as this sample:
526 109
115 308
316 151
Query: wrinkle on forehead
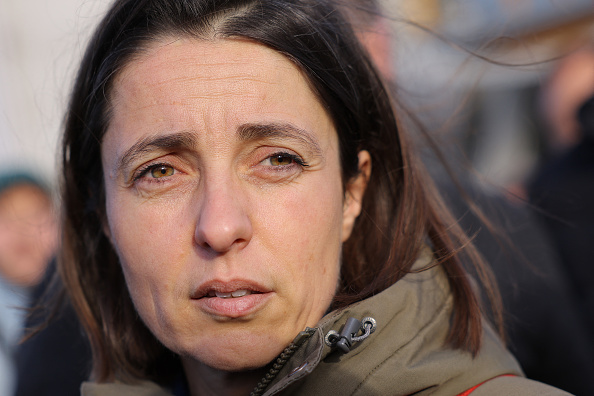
202 66
252 62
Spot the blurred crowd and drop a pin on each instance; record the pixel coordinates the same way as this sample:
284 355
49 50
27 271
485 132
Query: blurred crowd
538 238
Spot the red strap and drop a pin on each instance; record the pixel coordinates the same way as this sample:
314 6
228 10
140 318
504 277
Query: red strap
469 391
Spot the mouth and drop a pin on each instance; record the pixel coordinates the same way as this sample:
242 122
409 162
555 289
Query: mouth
229 289
233 294
232 299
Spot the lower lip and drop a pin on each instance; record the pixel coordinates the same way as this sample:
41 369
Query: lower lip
233 307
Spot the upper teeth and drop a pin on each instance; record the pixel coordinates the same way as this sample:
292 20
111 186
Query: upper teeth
236 293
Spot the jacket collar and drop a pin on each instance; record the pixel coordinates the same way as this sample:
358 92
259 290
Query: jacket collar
413 319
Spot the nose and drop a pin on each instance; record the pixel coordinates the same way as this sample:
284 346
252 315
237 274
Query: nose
223 222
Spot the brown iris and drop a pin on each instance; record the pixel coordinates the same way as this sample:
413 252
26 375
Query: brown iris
161 171
281 159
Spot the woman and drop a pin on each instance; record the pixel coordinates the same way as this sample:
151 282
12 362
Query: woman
242 212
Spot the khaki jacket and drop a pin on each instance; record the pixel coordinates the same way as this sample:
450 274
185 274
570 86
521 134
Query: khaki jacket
405 355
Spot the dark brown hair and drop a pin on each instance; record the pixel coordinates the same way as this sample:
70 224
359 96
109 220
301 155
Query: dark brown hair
401 211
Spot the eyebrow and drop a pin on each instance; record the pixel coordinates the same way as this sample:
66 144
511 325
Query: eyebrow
253 132
177 141
245 133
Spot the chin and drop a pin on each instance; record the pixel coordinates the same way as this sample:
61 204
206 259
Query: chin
237 366
231 355
240 357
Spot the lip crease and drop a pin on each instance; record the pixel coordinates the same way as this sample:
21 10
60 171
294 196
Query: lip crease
233 307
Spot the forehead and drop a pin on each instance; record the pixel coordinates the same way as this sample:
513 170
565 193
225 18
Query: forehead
226 81
191 54
213 69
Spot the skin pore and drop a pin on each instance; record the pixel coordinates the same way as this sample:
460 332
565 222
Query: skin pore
225 203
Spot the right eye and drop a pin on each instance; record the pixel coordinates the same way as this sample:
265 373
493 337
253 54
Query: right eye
155 172
159 171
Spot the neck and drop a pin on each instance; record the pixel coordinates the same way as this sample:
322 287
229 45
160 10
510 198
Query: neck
206 381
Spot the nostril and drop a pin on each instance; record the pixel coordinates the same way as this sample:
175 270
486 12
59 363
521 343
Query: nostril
221 241
221 238
223 222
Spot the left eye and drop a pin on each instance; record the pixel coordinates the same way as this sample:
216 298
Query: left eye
162 171
281 159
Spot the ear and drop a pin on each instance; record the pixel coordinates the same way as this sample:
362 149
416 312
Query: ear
353 195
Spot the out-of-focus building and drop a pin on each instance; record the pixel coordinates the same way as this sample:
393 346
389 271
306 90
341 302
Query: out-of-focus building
490 105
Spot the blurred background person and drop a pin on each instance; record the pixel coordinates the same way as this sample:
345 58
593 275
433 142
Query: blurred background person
563 191
38 47
562 187
28 235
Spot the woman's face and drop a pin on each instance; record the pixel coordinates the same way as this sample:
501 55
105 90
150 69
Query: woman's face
224 199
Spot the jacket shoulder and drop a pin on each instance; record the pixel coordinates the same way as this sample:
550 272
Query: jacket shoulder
516 386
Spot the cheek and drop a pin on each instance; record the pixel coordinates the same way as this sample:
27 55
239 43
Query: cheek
147 240
142 228
305 228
